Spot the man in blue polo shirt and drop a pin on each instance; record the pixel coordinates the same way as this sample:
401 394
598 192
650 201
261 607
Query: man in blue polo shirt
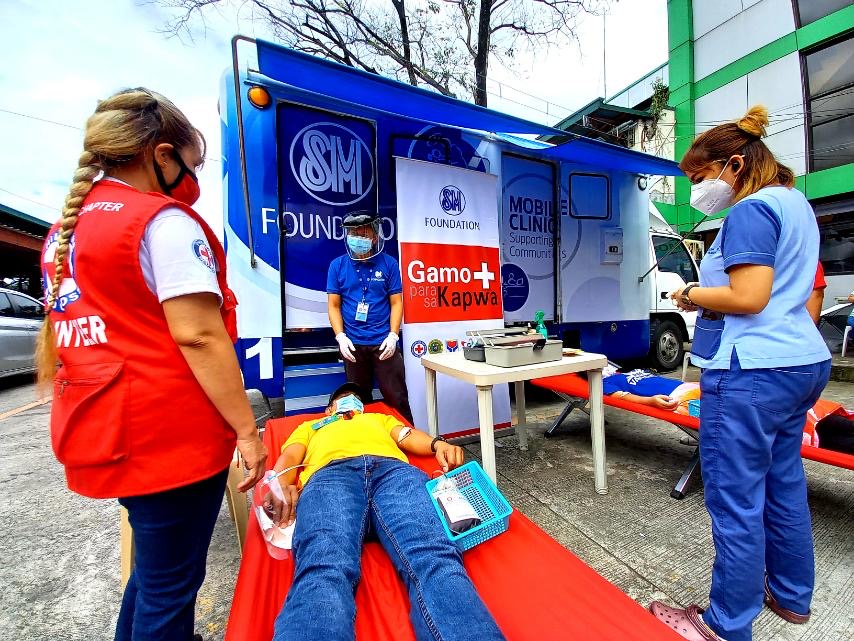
644 387
365 304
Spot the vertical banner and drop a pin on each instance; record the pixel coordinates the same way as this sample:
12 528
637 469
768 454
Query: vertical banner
447 222
528 225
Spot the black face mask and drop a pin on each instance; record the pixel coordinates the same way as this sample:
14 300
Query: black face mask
168 188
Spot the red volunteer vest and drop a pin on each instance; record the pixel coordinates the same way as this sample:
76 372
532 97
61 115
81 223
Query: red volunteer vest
128 416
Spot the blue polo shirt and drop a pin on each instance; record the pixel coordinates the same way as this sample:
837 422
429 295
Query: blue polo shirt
640 382
373 281
775 227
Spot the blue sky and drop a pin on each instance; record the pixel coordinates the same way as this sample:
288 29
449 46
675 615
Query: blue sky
60 56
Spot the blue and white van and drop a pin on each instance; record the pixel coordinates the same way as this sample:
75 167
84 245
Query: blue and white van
305 141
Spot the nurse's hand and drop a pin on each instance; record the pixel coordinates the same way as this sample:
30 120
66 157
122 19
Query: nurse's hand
676 297
254 455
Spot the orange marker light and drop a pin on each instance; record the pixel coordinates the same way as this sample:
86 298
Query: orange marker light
259 97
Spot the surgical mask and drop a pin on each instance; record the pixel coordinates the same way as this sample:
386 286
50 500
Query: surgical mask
359 245
185 187
712 196
349 403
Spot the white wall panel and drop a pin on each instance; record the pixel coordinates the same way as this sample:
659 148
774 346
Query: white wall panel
778 87
755 27
726 103
709 14
788 146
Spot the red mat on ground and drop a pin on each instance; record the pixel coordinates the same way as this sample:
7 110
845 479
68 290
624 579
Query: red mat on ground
574 385
536 589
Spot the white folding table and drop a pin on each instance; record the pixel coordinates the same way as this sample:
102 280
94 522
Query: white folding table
484 376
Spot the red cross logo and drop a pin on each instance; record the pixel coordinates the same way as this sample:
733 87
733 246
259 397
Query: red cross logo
204 254
418 348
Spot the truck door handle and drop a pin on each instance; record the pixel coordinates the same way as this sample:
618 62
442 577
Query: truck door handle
664 295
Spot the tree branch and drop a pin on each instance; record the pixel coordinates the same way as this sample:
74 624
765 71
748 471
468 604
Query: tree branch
446 45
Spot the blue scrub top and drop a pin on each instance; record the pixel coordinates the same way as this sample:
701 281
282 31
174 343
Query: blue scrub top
775 227
373 281
640 382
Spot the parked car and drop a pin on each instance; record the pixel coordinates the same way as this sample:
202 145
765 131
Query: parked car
20 319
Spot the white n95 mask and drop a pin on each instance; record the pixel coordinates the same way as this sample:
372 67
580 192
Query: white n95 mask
712 196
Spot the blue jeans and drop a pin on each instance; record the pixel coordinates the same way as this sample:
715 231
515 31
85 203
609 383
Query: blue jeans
755 489
171 531
338 506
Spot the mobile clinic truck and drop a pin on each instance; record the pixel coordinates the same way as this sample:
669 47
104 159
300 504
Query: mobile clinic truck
306 141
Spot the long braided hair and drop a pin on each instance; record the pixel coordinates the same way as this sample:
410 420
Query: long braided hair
123 130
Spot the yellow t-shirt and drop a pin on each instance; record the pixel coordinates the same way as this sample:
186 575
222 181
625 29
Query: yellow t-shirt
364 434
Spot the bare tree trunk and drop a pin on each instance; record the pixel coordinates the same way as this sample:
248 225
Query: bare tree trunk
481 58
404 38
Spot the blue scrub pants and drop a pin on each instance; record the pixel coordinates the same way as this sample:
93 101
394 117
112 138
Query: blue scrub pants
755 489
172 532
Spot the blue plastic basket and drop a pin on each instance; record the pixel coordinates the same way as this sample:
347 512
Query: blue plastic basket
492 508
694 408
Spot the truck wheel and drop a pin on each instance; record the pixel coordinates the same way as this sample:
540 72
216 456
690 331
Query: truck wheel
665 346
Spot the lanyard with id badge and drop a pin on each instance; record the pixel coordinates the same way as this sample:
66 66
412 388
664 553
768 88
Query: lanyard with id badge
362 307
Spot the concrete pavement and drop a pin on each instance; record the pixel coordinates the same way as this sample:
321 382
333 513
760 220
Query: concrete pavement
59 565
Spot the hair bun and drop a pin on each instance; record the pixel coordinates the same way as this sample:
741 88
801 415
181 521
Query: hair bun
754 121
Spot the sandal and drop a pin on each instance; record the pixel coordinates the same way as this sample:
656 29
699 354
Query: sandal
687 622
780 611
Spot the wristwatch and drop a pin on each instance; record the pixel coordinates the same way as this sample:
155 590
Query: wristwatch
686 299
436 440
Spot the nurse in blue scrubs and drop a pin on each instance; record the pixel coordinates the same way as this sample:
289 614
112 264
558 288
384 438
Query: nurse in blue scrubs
764 365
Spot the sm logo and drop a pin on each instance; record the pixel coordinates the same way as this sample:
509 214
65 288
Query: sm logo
332 163
453 200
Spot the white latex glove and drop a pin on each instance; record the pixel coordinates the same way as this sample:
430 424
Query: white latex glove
389 346
345 345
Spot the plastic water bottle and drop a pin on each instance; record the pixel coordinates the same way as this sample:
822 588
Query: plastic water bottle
541 326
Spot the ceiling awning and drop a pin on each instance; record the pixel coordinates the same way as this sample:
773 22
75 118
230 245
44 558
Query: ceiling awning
604 154
600 154
370 90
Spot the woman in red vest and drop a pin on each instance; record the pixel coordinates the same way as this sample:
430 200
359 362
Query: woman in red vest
148 402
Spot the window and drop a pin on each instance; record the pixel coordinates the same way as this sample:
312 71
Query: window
830 86
625 133
589 196
836 226
812 10
26 307
672 256
5 306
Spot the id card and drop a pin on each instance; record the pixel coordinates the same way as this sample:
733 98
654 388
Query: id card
362 311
